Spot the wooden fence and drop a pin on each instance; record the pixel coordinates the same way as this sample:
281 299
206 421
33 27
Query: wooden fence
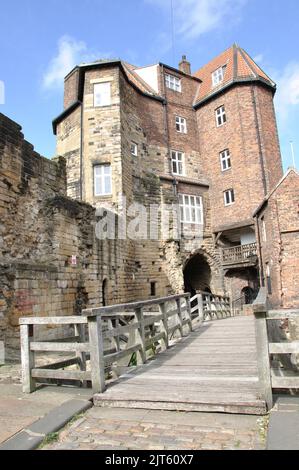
272 377
127 329
207 306
110 338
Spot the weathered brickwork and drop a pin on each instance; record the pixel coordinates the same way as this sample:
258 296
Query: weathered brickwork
52 261
239 136
279 242
41 232
250 134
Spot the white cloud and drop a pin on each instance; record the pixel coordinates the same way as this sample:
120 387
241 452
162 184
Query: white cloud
287 97
70 53
194 18
258 58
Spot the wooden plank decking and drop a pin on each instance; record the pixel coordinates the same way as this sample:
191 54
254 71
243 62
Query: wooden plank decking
214 369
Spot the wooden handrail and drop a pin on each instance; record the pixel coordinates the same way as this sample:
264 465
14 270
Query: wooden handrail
144 332
119 308
268 378
210 306
240 253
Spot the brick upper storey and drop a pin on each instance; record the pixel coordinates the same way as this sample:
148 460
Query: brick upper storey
219 122
237 66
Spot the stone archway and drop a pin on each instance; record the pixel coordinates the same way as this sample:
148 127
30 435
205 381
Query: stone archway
197 275
202 272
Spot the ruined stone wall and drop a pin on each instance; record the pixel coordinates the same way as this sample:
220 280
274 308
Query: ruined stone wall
51 261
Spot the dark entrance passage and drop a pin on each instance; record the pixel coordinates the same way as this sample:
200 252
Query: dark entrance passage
197 275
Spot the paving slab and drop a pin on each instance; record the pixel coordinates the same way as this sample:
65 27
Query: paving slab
18 411
283 433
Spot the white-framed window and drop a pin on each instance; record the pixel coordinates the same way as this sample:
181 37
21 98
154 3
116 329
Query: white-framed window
225 160
181 124
218 76
229 197
191 210
264 232
172 82
220 116
102 179
134 149
102 94
177 162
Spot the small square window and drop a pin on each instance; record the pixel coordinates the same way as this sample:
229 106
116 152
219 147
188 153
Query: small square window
220 116
172 82
102 94
229 197
181 124
225 160
218 76
134 149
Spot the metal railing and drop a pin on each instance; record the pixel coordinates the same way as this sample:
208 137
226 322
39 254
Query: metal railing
239 254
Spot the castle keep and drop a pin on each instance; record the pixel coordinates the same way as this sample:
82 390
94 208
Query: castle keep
154 136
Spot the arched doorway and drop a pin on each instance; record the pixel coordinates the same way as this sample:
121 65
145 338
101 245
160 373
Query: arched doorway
197 275
248 294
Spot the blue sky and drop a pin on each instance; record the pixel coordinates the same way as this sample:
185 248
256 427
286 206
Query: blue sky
41 41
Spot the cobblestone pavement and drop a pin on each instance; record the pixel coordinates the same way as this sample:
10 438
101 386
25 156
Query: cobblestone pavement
122 429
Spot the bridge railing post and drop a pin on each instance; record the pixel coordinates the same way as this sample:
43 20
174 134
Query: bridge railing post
97 362
28 360
179 315
188 312
262 346
200 307
164 325
141 354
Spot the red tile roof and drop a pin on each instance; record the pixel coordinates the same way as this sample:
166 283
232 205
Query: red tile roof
238 66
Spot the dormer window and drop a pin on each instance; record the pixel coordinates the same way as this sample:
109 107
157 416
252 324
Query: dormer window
172 82
218 76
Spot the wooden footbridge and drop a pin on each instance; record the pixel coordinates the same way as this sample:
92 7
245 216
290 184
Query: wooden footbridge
172 353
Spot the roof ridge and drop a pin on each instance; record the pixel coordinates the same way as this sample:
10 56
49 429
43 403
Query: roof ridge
244 55
258 66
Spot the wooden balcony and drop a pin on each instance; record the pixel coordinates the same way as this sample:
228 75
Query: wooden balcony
242 255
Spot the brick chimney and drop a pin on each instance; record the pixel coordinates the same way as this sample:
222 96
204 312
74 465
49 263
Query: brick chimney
185 66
